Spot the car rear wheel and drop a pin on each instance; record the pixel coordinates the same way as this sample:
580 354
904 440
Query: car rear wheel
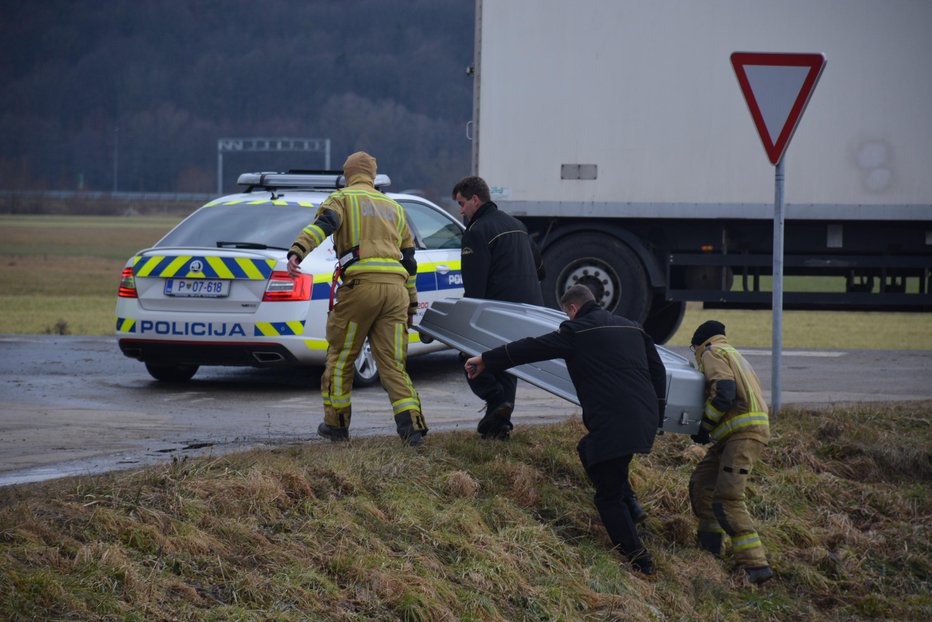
367 372
171 373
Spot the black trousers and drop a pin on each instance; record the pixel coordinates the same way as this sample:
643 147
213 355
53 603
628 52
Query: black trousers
493 388
610 479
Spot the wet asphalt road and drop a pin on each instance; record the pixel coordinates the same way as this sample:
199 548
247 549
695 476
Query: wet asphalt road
76 405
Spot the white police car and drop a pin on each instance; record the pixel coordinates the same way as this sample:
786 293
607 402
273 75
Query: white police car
216 291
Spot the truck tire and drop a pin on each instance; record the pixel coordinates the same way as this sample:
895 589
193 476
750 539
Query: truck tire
664 319
171 373
606 265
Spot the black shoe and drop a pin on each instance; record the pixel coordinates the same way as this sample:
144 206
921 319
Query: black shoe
495 417
335 435
759 575
500 434
643 563
416 439
638 515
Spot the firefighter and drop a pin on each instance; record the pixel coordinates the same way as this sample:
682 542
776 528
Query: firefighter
736 421
377 298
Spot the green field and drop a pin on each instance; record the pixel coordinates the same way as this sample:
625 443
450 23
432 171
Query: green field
60 275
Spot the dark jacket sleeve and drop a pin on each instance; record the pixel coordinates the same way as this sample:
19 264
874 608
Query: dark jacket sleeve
538 260
553 345
658 373
325 223
408 260
475 265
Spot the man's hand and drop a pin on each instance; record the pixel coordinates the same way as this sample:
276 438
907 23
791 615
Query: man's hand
294 266
474 366
701 437
410 320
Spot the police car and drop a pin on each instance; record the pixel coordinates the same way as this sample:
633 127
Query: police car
216 291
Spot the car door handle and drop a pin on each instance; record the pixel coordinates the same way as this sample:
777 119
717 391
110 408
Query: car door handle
443 269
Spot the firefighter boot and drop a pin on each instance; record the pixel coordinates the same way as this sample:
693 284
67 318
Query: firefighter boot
710 541
335 435
638 515
413 436
759 574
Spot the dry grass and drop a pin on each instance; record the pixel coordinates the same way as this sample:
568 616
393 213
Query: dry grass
471 530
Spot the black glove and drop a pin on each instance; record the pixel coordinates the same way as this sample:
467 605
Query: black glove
701 437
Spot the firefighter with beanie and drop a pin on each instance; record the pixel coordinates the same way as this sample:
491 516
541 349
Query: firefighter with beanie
377 298
736 421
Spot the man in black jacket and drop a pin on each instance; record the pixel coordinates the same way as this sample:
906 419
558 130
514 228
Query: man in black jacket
500 261
621 385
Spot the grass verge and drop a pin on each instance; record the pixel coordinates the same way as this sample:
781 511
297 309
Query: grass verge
470 530
834 330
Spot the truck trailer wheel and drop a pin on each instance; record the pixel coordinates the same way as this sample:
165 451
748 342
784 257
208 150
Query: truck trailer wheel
606 265
664 319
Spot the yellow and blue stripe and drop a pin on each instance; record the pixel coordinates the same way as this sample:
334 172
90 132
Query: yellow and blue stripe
180 266
278 329
260 202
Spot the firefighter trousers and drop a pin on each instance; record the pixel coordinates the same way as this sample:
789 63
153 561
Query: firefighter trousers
374 307
717 493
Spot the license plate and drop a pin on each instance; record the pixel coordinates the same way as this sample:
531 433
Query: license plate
197 288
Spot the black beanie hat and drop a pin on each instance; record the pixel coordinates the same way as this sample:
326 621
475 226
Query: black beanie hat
706 330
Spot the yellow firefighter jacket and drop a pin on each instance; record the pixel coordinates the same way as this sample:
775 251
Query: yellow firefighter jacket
370 233
747 416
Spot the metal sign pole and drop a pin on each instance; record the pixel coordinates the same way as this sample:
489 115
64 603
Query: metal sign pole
777 343
219 169
777 88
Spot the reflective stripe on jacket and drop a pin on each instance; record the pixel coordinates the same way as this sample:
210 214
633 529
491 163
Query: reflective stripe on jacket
748 415
367 224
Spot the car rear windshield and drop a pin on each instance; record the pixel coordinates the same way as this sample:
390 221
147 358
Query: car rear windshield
271 225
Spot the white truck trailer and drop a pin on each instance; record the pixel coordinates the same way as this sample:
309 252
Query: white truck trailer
616 130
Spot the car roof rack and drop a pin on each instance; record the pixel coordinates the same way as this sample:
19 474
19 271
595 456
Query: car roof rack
305 179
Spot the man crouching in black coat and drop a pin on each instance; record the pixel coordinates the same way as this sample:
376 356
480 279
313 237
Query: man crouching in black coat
621 385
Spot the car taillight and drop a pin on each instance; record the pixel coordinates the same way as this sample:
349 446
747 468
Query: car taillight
284 287
128 284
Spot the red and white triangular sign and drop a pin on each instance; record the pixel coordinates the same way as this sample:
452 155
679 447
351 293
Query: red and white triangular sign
777 88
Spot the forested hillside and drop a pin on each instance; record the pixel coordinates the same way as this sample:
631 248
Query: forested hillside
134 94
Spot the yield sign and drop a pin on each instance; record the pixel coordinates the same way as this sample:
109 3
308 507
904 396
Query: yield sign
777 88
